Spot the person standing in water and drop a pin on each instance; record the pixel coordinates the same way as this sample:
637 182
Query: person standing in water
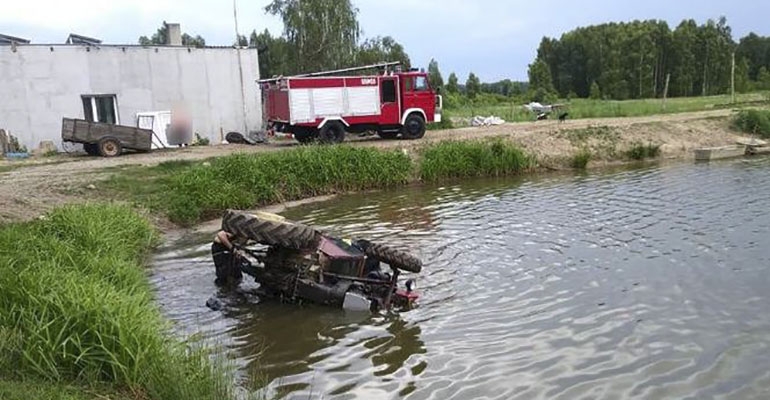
227 259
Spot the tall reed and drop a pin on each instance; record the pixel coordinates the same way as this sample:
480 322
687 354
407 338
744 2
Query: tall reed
461 159
76 306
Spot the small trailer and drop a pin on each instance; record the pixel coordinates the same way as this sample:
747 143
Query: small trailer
106 140
318 106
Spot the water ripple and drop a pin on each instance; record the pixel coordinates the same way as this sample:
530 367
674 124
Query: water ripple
648 283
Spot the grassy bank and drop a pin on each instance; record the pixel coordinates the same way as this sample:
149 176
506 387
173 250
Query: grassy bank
447 160
242 181
512 111
77 316
192 192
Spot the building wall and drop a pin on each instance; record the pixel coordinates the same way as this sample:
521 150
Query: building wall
41 84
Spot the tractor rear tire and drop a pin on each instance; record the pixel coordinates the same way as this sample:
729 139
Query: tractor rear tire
394 257
332 132
270 230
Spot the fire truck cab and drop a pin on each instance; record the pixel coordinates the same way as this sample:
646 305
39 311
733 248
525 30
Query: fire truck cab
325 108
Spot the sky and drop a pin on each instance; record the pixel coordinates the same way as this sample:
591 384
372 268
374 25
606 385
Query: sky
496 39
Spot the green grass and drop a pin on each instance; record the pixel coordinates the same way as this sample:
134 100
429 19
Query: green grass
77 309
146 185
586 108
191 192
756 122
463 159
446 122
643 151
580 159
25 390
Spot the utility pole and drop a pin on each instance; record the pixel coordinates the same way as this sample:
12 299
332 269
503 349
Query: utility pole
240 69
733 78
235 17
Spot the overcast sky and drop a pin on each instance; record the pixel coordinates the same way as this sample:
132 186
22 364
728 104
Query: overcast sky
496 39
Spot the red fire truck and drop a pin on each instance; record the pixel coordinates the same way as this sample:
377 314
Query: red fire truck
319 106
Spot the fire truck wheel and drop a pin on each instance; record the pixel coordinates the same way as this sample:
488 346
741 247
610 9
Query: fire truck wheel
414 127
332 132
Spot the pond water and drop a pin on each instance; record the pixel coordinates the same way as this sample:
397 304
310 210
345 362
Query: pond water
636 283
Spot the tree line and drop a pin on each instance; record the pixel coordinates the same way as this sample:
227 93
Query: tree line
319 35
635 59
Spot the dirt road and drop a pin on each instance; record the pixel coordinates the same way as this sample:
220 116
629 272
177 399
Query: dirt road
29 190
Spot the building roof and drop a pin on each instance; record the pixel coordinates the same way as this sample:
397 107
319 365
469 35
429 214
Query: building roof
80 39
8 39
132 45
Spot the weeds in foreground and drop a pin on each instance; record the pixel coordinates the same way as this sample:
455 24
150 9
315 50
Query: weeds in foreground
76 306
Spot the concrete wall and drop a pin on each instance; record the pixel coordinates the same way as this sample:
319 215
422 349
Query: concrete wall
41 84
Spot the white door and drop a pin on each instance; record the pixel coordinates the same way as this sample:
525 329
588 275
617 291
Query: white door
158 122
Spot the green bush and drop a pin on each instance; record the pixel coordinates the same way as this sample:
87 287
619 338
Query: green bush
249 180
580 160
452 159
446 122
756 122
76 306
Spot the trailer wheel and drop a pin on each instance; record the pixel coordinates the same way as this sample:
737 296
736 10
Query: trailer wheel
332 132
91 149
414 127
109 147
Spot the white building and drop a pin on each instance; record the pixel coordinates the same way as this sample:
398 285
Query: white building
42 83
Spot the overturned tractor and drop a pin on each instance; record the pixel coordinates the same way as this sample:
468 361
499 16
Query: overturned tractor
297 263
